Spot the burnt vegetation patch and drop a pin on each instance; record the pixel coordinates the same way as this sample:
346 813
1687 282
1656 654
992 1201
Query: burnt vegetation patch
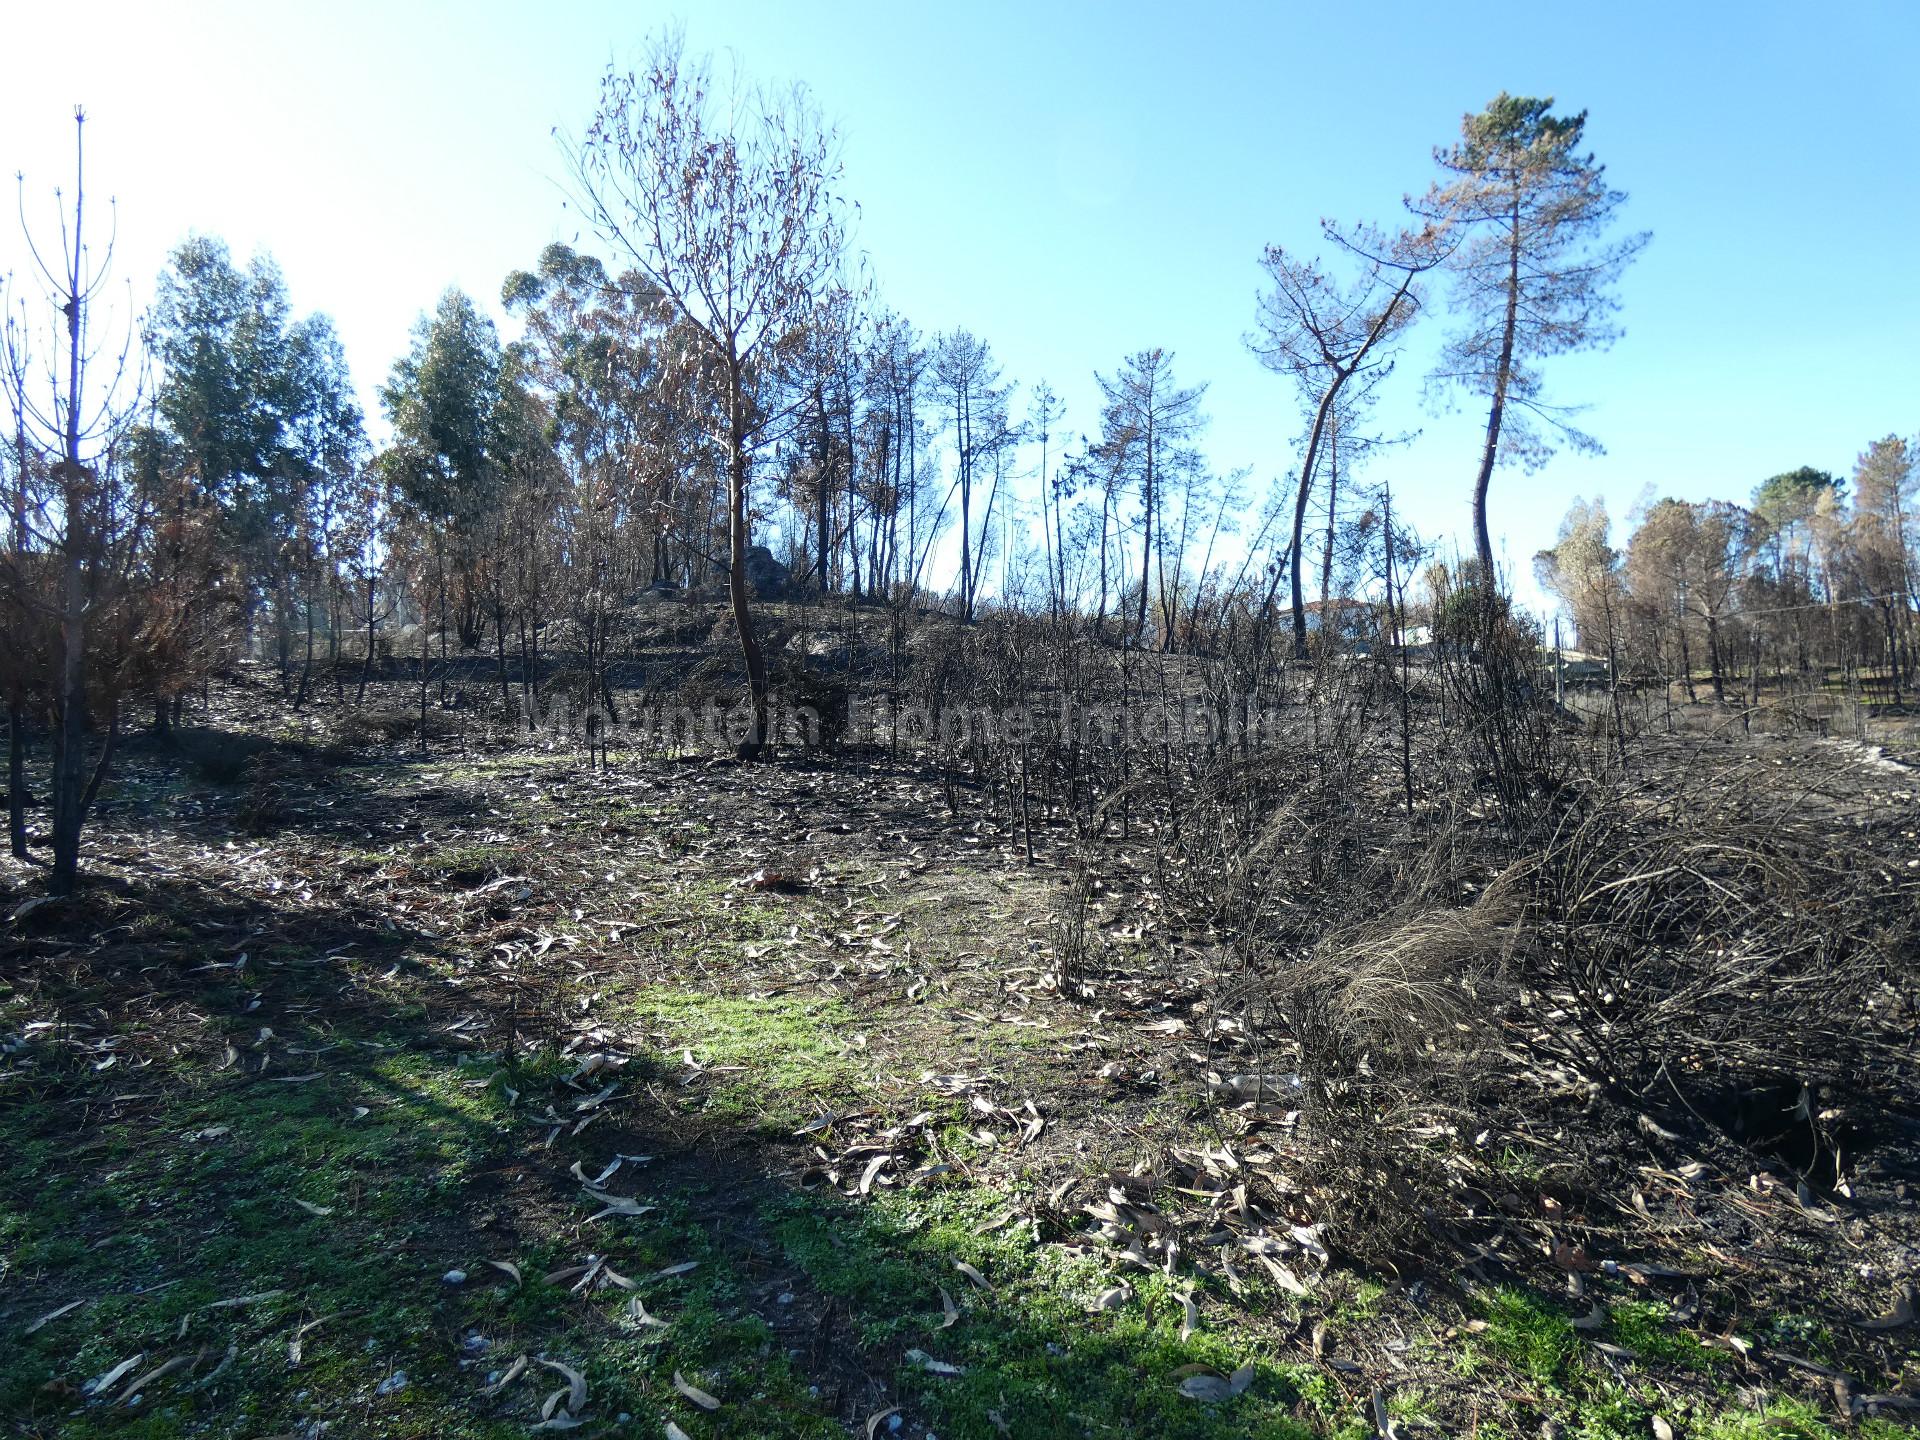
725 881
1195 1050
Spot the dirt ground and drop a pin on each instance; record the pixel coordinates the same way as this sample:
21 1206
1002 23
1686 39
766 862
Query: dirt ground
374 1091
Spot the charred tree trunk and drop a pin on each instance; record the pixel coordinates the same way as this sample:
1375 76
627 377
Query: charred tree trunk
755 740
17 780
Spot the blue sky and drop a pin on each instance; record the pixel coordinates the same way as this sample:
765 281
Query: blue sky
1075 182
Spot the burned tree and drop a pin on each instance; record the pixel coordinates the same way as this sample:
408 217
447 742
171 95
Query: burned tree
734 218
75 536
1325 335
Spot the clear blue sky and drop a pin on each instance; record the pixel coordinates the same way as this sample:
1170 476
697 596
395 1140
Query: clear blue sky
1074 182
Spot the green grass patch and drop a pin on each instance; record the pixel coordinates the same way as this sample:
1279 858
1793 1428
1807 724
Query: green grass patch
1531 1336
1038 1358
241 1208
777 1061
1646 1328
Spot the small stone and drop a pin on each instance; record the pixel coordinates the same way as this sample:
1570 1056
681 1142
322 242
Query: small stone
393 1384
785 1298
455 1277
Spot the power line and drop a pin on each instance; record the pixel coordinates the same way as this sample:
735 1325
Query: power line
1816 605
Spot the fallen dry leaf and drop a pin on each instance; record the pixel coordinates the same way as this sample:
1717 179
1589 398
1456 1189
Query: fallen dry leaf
1901 1314
106 1381
694 1392
297 1344
52 1315
576 1385
618 1205
160 1371
512 1373
1208 1388
932 1366
638 1313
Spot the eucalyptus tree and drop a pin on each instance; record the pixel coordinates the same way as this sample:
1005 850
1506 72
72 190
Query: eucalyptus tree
441 399
1694 558
237 377
899 372
1885 481
323 449
1044 412
1789 506
1787 502
726 204
1533 277
822 462
1584 571
219 333
21 646
882 476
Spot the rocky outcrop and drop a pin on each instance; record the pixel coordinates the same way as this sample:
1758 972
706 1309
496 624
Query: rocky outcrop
766 576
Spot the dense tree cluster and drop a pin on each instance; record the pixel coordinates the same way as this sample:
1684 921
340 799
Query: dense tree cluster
1804 578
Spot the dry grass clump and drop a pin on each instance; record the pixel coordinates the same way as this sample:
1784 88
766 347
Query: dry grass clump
1404 993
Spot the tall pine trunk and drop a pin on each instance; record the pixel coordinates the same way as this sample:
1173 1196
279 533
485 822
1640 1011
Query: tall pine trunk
1482 538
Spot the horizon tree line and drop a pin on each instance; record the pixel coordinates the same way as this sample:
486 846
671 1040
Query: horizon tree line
722 378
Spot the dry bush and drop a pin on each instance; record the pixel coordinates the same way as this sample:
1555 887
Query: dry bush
270 777
1704 940
1389 1016
821 697
1546 924
1498 727
1070 941
1403 996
